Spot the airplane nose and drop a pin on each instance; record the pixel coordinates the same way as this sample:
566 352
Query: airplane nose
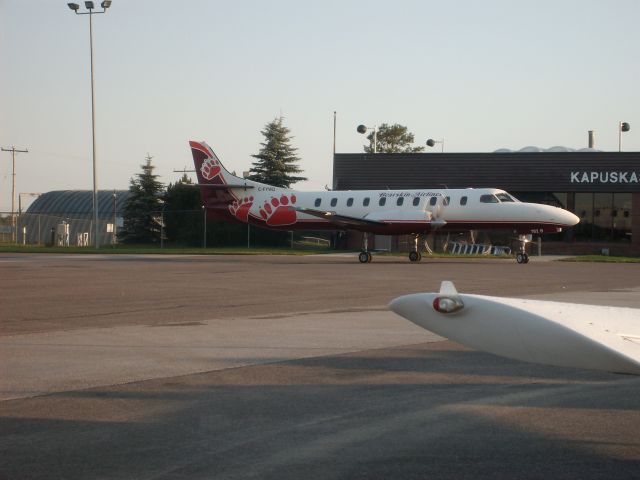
570 219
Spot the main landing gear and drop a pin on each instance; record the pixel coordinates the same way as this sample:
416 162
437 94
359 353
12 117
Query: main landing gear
415 255
365 255
521 256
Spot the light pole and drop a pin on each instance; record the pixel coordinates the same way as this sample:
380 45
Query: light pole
431 142
622 127
204 220
115 207
90 7
20 195
363 129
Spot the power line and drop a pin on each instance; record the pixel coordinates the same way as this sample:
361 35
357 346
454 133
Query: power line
13 151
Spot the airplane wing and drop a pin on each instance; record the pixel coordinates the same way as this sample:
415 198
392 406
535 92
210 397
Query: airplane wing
552 333
341 220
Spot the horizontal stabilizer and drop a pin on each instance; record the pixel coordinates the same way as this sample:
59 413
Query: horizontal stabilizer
218 187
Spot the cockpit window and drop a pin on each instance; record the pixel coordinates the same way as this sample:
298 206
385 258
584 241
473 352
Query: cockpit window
489 199
505 197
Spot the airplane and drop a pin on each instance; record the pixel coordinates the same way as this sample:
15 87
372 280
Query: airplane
386 212
550 333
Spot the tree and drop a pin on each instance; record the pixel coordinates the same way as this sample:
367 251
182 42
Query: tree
143 209
276 164
183 213
392 139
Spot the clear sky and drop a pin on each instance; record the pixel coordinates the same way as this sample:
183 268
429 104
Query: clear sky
480 74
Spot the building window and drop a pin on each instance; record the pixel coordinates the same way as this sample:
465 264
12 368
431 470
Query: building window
463 200
400 201
334 202
602 219
622 221
318 202
382 201
365 202
349 202
416 201
584 210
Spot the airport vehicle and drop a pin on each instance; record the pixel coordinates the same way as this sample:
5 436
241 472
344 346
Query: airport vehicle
551 333
384 212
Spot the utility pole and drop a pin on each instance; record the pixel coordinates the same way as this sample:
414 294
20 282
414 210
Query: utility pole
13 151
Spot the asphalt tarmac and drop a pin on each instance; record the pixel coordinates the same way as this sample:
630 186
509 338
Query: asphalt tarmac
266 367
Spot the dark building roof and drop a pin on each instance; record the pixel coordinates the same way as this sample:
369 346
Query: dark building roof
78 202
590 171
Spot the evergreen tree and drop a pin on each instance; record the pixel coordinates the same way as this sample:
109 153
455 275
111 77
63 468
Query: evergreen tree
392 139
276 161
183 213
143 209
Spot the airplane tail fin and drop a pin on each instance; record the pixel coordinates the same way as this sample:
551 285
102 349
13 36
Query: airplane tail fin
218 187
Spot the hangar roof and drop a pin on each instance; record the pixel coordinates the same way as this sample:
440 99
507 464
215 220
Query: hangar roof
77 202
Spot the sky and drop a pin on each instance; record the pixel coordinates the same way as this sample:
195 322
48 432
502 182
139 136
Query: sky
480 75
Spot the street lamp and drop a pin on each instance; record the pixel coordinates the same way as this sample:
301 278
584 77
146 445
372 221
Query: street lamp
363 129
622 127
90 7
431 142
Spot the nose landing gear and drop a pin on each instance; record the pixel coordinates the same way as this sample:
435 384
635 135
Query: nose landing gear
521 256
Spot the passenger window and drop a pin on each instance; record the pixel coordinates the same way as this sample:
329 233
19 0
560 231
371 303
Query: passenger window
334 202
433 201
318 202
489 199
446 201
382 201
416 201
463 201
400 201
365 202
349 202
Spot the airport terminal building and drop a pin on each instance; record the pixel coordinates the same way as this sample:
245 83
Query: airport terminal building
602 188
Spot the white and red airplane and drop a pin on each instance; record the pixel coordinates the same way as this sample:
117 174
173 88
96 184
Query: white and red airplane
551 333
384 212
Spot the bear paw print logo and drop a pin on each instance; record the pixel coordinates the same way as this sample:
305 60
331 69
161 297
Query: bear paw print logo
240 208
210 168
279 211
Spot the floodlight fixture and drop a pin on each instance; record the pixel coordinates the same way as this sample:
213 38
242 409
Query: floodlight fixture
431 143
73 6
89 5
363 129
622 127
106 4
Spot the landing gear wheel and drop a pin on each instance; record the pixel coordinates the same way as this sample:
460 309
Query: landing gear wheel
522 258
415 256
364 257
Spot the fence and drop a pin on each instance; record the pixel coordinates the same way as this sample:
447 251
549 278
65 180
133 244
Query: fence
64 230
477 249
184 228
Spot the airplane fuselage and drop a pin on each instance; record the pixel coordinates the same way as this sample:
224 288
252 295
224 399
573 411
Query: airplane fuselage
396 211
